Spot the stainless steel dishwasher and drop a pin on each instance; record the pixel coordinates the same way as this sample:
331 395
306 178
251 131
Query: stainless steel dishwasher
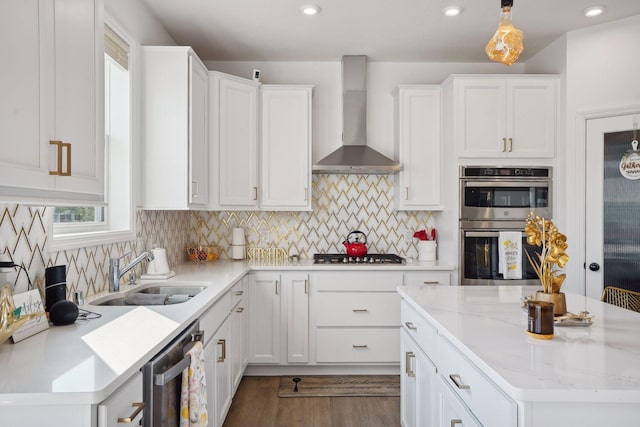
162 379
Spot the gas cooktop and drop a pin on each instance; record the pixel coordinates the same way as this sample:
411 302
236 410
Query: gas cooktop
367 259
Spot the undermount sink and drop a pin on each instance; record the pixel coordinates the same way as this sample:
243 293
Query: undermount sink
163 294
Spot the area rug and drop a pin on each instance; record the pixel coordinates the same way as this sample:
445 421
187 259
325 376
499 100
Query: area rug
339 385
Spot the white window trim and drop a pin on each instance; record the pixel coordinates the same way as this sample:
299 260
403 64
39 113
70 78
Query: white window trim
65 241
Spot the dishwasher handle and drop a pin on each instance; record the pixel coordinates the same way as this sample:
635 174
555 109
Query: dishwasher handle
175 370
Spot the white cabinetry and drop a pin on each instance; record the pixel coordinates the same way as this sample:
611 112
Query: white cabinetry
233 120
124 406
505 116
449 410
264 318
51 109
285 147
174 120
239 312
417 374
279 318
417 146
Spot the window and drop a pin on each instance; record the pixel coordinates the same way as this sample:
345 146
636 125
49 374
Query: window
75 226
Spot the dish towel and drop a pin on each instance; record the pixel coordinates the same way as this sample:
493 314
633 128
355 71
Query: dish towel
193 396
510 254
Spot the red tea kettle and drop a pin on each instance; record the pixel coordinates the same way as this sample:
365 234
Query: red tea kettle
356 244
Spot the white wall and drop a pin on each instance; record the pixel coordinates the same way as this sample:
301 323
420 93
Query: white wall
600 73
382 78
133 17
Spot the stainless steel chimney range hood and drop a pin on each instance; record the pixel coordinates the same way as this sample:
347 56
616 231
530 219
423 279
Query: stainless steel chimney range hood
354 157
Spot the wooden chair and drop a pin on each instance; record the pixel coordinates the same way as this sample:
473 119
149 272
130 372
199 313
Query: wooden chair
621 297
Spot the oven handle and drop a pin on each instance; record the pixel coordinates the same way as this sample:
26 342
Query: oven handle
522 183
485 233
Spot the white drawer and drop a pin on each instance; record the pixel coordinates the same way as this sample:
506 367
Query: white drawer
419 329
414 278
346 281
211 320
485 399
358 345
238 292
357 309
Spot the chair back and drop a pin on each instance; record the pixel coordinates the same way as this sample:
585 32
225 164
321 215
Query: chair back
621 297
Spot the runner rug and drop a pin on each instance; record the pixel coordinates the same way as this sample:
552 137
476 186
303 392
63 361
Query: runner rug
339 385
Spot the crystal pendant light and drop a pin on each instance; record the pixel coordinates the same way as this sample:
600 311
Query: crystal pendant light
506 44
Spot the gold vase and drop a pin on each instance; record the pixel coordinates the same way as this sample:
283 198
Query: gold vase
558 300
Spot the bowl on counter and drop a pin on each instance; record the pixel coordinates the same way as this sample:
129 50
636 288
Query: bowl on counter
203 253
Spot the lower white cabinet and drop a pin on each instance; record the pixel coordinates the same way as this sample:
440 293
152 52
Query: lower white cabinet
449 410
220 363
417 375
123 407
239 312
296 291
264 317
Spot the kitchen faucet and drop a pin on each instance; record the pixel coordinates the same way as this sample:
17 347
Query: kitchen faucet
114 269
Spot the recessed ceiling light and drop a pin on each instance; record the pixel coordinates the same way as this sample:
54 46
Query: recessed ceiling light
594 11
310 9
452 11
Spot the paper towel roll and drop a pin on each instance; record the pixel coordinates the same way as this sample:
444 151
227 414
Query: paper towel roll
159 265
238 251
237 238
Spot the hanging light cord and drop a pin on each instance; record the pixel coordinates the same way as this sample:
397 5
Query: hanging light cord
9 264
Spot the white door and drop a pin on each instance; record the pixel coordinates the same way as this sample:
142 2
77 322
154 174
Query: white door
612 233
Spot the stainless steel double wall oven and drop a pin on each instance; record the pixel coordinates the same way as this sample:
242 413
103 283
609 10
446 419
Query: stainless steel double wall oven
495 199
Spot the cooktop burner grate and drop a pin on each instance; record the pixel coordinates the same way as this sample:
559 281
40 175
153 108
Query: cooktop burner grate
367 259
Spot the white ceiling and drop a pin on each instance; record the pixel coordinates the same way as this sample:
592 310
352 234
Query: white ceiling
384 30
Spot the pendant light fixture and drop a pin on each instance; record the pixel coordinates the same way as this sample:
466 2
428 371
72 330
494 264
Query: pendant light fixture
506 44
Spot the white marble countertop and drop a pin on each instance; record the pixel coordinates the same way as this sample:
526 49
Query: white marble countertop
85 362
598 363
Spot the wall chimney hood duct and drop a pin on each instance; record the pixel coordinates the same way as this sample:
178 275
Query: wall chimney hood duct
354 156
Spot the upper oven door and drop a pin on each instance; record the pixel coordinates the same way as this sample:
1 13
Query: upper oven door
513 199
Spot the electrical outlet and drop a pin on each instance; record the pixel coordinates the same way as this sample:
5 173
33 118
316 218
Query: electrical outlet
265 236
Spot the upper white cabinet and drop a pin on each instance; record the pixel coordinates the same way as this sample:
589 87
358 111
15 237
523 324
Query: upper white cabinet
51 108
233 120
285 147
417 146
174 122
505 116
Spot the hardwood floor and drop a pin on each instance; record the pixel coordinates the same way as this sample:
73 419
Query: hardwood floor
256 404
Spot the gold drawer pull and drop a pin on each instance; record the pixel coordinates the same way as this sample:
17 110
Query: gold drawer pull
431 282
504 145
360 310
411 326
454 423
238 293
458 382
510 144
239 309
306 286
407 364
62 145
139 407
223 343
360 346
195 189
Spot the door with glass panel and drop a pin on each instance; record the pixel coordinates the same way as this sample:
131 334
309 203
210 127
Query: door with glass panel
612 209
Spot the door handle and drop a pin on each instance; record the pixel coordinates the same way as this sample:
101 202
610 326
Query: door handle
510 144
139 407
458 382
411 326
223 357
196 188
407 364
594 266
62 145
504 145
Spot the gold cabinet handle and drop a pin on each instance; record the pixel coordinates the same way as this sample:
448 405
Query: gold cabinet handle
407 364
359 346
255 193
510 144
430 282
306 286
139 407
359 310
276 287
239 309
411 326
458 382
454 423
504 145
223 343
238 293
305 193
196 189
61 146
406 197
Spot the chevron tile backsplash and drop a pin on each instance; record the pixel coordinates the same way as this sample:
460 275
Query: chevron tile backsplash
341 204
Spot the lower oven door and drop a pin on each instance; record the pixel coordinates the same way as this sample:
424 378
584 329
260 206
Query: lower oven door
479 259
162 380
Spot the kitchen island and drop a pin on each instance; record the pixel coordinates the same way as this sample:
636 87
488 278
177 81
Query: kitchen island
482 368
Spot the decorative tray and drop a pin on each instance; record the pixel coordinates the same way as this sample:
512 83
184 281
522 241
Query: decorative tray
584 318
